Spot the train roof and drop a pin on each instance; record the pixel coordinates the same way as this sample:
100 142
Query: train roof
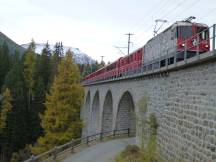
115 61
104 66
132 52
186 23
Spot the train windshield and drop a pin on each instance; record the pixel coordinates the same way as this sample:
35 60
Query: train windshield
203 32
184 32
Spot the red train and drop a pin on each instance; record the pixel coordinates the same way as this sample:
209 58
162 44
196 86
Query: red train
182 35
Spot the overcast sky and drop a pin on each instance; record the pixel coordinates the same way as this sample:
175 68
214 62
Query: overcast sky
96 26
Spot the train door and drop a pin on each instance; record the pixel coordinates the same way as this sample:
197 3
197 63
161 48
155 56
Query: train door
203 40
119 65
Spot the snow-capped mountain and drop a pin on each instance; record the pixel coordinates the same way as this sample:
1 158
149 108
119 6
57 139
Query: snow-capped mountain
79 57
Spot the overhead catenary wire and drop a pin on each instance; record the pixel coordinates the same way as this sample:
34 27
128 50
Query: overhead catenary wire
148 25
175 9
171 15
163 17
162 5
210 12
185 10
151 15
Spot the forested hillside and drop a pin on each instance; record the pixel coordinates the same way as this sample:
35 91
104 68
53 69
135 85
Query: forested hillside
12 46
31 85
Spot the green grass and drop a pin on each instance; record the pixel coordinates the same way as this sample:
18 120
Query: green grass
133 153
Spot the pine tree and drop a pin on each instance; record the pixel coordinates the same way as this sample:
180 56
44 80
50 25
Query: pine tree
32 46
44 69
61 50
6 108
55 60
37 108
61 119
102 64
17 132
4 63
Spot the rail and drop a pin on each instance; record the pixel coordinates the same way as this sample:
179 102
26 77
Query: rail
57 152
167 62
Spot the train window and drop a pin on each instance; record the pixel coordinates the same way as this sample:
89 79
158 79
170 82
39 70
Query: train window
203 32
184 32
128 61
131 58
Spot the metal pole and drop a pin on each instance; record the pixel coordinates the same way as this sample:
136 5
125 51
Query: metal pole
129 42
55 153
197 47
185 52
72 146
175 58
101 136
87 140
166 62
213 41
32 158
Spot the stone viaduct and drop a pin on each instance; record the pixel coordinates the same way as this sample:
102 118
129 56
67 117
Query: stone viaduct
183 100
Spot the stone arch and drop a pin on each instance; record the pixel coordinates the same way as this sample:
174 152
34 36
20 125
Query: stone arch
107 116
86 114
95 114
126 113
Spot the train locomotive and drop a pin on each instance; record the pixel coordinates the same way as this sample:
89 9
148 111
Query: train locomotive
179 37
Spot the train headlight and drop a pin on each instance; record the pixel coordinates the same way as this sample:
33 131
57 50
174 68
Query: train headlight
206 46
183 45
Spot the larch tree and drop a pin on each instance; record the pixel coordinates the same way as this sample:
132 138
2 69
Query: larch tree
61 120
28 68
6 108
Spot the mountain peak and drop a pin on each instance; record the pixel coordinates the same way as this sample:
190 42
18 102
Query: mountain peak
79 57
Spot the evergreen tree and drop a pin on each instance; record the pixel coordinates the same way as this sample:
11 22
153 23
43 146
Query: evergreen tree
102 64
15 59
17 133
44 66
59 49
32 46
6 108
55 60
61 119
56 49
37 108
4 63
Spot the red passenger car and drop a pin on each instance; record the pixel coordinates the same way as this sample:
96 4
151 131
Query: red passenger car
131 63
